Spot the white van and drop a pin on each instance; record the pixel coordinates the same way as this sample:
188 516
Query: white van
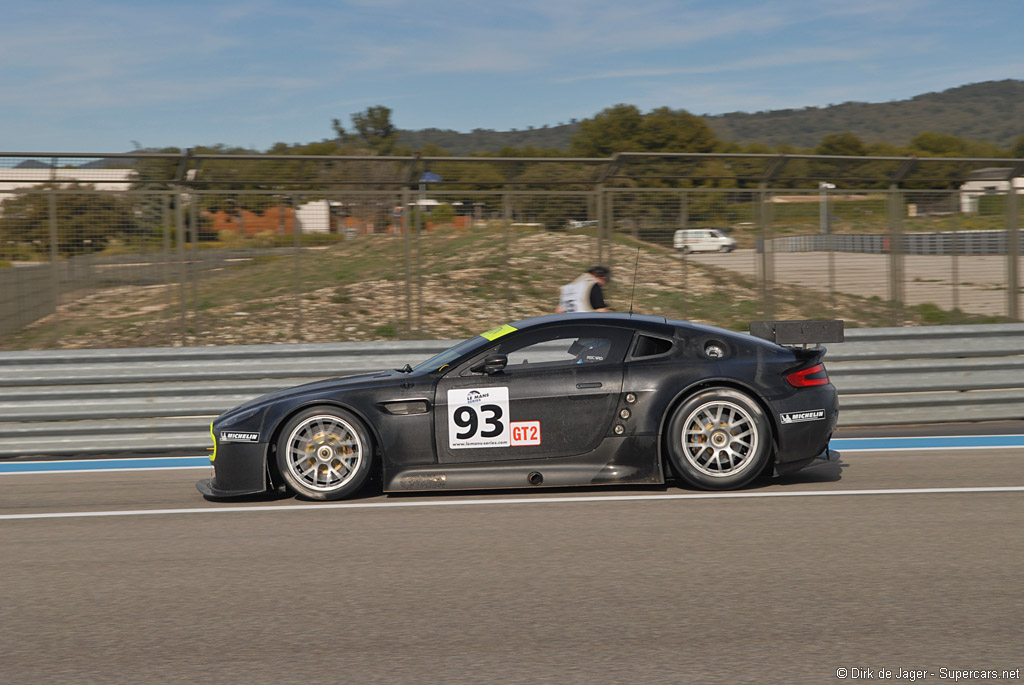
703 240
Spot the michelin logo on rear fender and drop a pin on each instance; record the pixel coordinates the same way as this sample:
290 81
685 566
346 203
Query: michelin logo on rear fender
800 416
236 436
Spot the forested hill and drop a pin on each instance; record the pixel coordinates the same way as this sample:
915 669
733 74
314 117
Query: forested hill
486 140
992 111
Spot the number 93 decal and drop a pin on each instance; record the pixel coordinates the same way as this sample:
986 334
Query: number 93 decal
478 418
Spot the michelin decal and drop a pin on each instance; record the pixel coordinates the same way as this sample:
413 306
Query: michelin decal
236 436
801 416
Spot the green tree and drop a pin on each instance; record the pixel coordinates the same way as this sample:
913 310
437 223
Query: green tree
374 130
611 130
434 150
622 128
675 130
87 221
846 144
1017 149
931 144
154 174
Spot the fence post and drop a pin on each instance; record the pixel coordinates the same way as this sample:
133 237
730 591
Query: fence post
165 271
1012 256
600 223
420 227
506 204
196 272
954 265
683 259
896 253
179 216
767 250
297 244
611 231
54 270
406 211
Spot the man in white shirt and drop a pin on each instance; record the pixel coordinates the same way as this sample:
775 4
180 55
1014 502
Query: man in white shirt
585 294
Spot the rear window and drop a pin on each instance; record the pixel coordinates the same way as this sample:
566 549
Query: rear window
647 346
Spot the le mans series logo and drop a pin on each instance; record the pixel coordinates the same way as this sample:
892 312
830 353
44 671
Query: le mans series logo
239 436
475 396
801 416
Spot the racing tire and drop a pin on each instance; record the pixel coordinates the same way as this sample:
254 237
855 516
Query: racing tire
719 439
685 250
325 453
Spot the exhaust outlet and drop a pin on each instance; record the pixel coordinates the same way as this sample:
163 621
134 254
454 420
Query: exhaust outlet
535 478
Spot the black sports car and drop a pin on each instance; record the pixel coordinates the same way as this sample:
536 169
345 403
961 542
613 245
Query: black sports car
564 400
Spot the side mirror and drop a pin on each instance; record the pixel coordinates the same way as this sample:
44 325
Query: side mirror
492 364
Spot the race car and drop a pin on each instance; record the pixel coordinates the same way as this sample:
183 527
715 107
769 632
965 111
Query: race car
554 401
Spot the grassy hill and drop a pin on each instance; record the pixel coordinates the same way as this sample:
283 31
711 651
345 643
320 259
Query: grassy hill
356 290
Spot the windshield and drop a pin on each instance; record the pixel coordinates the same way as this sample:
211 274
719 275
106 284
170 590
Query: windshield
451 354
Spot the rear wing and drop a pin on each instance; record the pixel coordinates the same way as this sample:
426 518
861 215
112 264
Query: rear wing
798 332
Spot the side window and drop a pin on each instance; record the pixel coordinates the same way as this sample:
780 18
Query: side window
563 351
562 347
647 346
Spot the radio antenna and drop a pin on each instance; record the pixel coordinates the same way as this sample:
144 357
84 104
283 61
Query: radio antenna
633 291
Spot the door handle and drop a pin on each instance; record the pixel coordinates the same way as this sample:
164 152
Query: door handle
581 386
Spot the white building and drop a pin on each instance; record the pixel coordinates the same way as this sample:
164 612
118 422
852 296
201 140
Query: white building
101 179
988 181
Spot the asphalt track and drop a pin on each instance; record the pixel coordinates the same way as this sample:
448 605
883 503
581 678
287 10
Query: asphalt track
890 559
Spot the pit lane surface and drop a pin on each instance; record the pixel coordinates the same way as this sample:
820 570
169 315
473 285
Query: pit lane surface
521 587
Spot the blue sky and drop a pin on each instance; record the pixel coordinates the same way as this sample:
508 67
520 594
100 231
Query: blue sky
105 75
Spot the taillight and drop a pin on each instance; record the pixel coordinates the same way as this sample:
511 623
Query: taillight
806 378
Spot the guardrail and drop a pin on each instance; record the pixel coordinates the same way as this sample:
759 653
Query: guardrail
148 400
945 243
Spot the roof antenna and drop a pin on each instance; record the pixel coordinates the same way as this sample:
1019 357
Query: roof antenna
633 291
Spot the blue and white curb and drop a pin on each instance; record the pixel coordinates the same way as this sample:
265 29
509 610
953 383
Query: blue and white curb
81 465
947 442
943 442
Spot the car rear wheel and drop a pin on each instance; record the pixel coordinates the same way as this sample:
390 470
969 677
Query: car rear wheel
686 249
324 453
719 439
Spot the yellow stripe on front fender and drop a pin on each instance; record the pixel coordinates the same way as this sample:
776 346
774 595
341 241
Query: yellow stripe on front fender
213 453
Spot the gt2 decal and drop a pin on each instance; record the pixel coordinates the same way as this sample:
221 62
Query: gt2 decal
800 416
234 436
478 418
525 433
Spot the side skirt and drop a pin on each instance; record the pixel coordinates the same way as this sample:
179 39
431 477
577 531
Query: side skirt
621 461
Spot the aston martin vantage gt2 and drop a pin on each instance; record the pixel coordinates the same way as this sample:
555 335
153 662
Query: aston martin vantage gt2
553 401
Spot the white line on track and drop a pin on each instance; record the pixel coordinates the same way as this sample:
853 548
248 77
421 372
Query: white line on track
530 500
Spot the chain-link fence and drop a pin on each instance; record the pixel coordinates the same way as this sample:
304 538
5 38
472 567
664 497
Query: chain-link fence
381 248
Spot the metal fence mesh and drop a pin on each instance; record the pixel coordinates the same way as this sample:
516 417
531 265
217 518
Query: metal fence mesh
369 249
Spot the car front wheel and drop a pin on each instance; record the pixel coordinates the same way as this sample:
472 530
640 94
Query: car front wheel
324 453
719 439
